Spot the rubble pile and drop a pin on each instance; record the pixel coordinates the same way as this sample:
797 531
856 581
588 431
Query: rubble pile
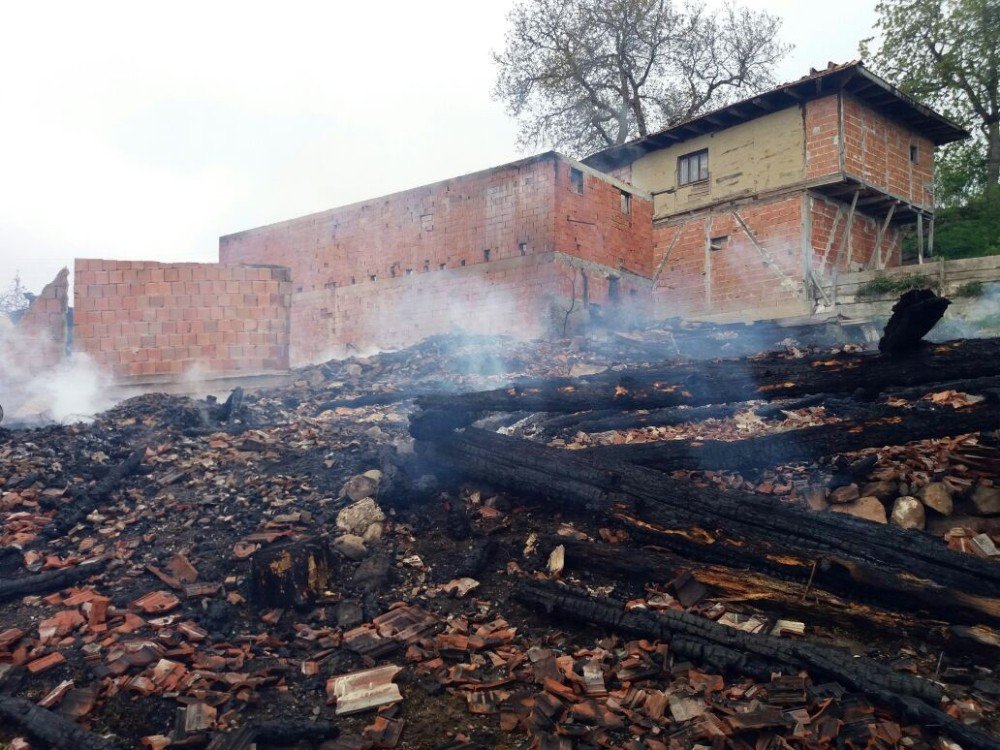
481 543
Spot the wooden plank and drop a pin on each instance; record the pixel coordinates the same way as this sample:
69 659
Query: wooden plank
877 252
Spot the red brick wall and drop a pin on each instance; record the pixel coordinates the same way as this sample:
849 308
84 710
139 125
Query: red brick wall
877 150
592 226
829 223
139 319
735 277
41 331
449 223
521 297
822 123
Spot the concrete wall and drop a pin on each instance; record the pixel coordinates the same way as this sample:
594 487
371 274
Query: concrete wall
142 319
753 157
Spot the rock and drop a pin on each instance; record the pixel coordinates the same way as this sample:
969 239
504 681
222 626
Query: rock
869 508
360 486
349 614
987 500
815 497
846 494
937 496
356 518
373 533
884 491
351 546
372 573
908 513
374 474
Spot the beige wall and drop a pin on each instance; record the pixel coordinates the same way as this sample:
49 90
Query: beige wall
759 155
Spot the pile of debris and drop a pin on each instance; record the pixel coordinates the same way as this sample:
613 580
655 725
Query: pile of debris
473 543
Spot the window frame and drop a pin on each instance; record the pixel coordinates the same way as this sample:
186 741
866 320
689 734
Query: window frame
685 161
576 180
626 202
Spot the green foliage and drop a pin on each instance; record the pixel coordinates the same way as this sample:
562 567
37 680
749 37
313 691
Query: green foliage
969 289
969 230
882 285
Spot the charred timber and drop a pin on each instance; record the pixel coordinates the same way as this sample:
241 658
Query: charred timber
718 382
884 426
732 650
738 529
51 580
913 316
49 727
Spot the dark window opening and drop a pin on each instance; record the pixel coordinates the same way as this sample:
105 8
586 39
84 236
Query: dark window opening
354 280
626 202
576 180
442 266
692 167
427 265
373 277
717 243
409 271
462 263
486 254
914 153
613 291
523 247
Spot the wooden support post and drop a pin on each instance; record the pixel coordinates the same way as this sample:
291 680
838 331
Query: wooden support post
930 238
708 264
666 257
845 240
920 239
876 259
768 258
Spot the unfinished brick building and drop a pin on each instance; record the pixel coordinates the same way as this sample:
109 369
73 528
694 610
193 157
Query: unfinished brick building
741 213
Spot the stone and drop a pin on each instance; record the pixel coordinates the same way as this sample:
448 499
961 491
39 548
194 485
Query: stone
349 614
373 533
815 497
373 474
351 546
869 508
986 499
356 518
372 573
884 491
361 486
846 494
908 513
937 496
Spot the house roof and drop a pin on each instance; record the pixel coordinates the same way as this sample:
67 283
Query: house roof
852 77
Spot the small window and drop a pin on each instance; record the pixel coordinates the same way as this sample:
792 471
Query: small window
717 243
914 153
442 266
576 180
692 167
373 277
626 202
427 266
409 271
486 254
523 247
462 262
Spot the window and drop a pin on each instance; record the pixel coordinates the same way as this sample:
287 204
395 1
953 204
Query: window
576 180
626 202
692 167
486 254
523 247
914 153
717 243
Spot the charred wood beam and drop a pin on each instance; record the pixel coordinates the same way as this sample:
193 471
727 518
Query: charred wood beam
987 386
913 316
279 732
718 382
85 501
701 639
737 529
48 726
52 580
883 426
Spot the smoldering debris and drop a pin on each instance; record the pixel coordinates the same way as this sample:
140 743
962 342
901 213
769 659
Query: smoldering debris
405 550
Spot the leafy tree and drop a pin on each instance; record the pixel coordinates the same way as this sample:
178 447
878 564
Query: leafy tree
587 74
947 53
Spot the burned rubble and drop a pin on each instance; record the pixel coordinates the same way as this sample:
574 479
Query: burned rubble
608 542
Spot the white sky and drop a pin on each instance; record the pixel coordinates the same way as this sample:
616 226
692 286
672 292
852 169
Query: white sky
135 130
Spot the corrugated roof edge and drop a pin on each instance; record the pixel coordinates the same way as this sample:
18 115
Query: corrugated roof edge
852 77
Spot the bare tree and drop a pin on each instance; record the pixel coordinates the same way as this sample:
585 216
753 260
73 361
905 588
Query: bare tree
15 299
587 74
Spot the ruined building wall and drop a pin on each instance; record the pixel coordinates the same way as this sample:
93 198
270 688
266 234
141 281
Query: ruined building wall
141 319
39 341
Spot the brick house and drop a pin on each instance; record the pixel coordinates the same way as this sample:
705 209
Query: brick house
736 214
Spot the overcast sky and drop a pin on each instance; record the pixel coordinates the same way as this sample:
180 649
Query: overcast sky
136 130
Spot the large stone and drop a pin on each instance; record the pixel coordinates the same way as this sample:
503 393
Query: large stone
815 497
937 496
846 494
884 491
361 486
908 513
351 546
987 500
356 518
869 508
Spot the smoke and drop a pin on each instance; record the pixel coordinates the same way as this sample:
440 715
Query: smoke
36 391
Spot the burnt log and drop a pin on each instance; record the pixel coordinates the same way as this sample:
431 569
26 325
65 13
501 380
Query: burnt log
290 575
732 650
883 426
913 316
903 569
49 727
769 378
50 580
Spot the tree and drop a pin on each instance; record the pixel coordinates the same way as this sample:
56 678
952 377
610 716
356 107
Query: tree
583 75
947 53
15 299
